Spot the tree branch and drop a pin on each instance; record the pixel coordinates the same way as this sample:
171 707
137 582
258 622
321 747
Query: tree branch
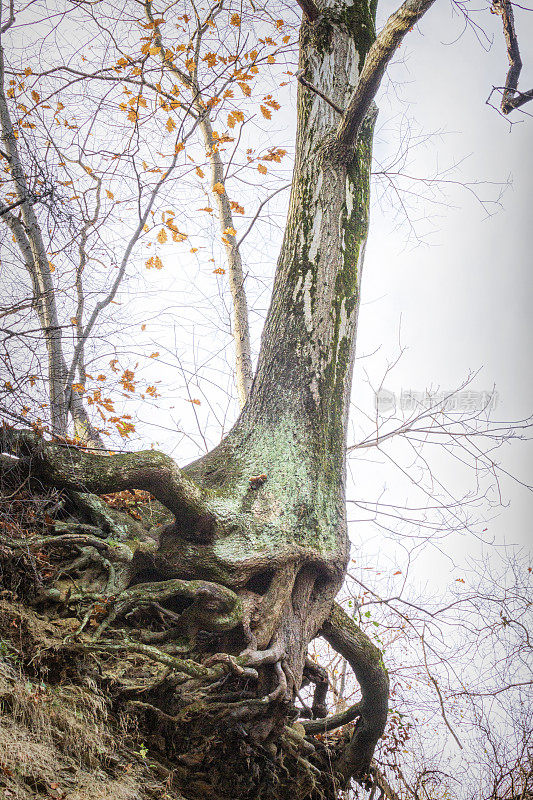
11 18
511 98
6 209
309 8
301 79
260 207
377 59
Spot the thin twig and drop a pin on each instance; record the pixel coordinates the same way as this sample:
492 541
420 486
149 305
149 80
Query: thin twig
300 77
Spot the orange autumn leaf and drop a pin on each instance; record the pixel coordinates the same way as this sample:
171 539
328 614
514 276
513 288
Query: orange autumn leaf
219 188
127 380
154 263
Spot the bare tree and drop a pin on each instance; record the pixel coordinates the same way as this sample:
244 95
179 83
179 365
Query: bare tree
211 593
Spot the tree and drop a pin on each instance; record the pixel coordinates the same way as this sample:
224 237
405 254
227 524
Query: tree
232 567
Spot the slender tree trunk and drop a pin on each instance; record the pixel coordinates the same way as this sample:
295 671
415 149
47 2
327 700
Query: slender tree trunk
28 235
37 262
241 330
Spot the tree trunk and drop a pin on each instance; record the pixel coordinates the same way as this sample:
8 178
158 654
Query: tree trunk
28 236
292 430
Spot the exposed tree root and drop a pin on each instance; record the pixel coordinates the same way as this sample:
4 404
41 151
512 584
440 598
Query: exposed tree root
367 663
318 675
88 472
200 667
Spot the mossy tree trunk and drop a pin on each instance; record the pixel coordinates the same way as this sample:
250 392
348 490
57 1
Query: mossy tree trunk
292 429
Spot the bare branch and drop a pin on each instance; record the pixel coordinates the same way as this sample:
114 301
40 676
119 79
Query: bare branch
258 212
512 98
6 209
300 77
377 59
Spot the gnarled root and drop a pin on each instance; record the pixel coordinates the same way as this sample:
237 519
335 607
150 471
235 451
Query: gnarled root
318 675
365 659
68 467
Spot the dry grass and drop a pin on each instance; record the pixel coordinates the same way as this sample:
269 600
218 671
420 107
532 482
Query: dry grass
56 741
